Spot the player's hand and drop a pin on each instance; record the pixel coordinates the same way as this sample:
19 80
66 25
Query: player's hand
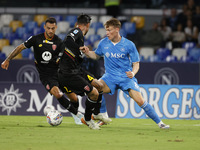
130 74
5 64
84 49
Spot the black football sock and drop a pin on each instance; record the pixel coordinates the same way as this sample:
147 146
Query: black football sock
75 104
67 105
90 104
98 105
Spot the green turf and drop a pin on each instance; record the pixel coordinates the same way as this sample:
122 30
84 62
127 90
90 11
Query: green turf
34 133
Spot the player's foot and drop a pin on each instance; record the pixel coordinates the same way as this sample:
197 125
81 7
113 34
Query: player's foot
91 124
100 123
77 118
164 126
102 118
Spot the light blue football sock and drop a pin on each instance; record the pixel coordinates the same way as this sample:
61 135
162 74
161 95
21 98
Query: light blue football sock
103 105
150 112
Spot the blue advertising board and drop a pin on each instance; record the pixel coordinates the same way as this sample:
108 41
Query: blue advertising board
169 101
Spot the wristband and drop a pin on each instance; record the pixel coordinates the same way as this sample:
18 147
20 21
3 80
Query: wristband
133 73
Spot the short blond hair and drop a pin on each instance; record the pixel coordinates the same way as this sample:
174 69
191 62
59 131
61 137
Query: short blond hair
113 22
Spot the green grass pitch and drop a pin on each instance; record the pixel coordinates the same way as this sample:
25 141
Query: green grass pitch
34 133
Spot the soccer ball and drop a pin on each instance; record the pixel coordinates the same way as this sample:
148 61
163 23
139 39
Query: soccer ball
48 108
54 117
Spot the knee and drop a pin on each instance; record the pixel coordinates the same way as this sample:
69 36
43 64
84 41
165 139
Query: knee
98 85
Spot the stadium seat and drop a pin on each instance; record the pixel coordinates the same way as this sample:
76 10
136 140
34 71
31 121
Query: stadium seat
142 58
104 18
94 18
153 58
101 32
6 30
15 24
11 37
26 36
30 25
163 53
37 30
20 32
179 52
2 56
26 52
90 32
25 18
171 58
139 21
96 26
40 18
195 54
186 59
58 17
188 45
93 38
129 27
17 42
6 19
62 35
7 49
4 42
63 27
96 43
1 35
71 19
146 52
123 32
1 24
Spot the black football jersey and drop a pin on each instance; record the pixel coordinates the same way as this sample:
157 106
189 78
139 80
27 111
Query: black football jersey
46 52
72 57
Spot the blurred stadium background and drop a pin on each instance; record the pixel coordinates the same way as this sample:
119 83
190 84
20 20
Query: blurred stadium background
165 58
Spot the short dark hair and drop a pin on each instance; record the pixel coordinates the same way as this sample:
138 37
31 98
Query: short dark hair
83 19
113 22
51 20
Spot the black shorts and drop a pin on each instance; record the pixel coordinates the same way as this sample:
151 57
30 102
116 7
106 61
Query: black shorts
79 83
50 81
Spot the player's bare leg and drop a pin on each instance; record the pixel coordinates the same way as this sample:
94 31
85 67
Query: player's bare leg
137 96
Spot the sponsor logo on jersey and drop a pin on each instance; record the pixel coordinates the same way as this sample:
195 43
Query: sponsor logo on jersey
48 42
54 47
87 88
40 45
122 49
46 55
107 54
75 31
47 87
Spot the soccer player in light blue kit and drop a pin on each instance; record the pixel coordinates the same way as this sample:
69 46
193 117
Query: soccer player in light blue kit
121 60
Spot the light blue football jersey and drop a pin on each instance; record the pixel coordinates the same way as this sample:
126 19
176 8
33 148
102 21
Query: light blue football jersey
118 58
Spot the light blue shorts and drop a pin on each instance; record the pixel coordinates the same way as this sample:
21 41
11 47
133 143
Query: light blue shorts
125 84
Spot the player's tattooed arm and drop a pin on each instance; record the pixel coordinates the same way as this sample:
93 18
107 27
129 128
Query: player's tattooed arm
15 52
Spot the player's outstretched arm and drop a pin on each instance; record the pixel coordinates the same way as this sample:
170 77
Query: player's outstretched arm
88 53
15 52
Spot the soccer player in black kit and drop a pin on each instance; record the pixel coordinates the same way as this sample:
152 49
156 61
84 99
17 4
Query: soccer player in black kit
72 78
48 48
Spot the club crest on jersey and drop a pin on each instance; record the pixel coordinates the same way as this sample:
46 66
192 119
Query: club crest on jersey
122 49
47 87
87 88
54 47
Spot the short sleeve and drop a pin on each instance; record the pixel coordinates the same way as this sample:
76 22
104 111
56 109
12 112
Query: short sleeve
30 42
134 55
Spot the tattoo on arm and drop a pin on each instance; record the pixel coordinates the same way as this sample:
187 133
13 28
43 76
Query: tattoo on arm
15 52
